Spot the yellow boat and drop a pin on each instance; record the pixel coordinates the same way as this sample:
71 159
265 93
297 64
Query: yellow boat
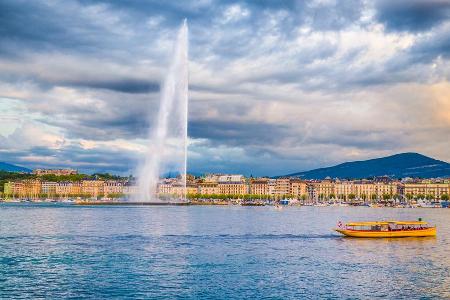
387 229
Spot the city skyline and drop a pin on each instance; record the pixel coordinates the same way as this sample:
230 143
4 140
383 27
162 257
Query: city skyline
274 88
232 186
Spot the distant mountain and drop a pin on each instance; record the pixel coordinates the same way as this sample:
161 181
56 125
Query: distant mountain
397 166
13 168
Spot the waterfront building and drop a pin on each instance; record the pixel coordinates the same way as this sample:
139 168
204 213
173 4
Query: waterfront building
113 187
233 188
343 189
272 185
69 188
29 188
384 189
387 189
259 186
228 184
298 188
208 188
92 188
63 188
321 189
191 188
178 189
363 190
283 186
49 188
18 188
366 190
437 190
426 189
311 190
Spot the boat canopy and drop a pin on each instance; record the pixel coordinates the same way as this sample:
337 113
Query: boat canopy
387 223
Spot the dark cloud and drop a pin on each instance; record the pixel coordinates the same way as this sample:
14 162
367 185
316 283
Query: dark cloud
366 138
413 63
86 160
237 133
44 26
102 123
173 11
432 46
412 15
132 86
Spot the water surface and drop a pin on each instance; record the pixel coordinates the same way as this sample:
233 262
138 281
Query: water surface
65 251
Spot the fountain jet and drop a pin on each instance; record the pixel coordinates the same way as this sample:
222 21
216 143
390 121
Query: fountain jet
167 148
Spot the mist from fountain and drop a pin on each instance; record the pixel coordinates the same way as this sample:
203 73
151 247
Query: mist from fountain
167 148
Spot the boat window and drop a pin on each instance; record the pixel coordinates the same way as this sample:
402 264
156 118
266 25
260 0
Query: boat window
375 228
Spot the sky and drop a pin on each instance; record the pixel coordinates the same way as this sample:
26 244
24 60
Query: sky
275 87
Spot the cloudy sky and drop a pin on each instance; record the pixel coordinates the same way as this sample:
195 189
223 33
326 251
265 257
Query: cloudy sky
275 86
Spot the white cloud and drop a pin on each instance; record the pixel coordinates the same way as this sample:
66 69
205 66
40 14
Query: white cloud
32 134
235 13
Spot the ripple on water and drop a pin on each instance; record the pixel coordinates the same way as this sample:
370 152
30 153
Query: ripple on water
214 253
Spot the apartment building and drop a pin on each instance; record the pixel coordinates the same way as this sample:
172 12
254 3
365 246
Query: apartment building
259 186
92 188
49 187
208 188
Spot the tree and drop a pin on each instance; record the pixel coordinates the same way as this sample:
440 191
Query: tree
444 197
105 176
116 195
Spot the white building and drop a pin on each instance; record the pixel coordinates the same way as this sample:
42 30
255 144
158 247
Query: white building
230 178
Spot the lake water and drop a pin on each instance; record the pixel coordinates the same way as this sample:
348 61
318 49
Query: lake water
199 252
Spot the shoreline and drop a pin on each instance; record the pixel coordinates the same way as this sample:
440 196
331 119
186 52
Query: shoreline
132 203
204 203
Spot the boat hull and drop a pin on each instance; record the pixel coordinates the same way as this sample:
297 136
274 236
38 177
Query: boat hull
388 234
